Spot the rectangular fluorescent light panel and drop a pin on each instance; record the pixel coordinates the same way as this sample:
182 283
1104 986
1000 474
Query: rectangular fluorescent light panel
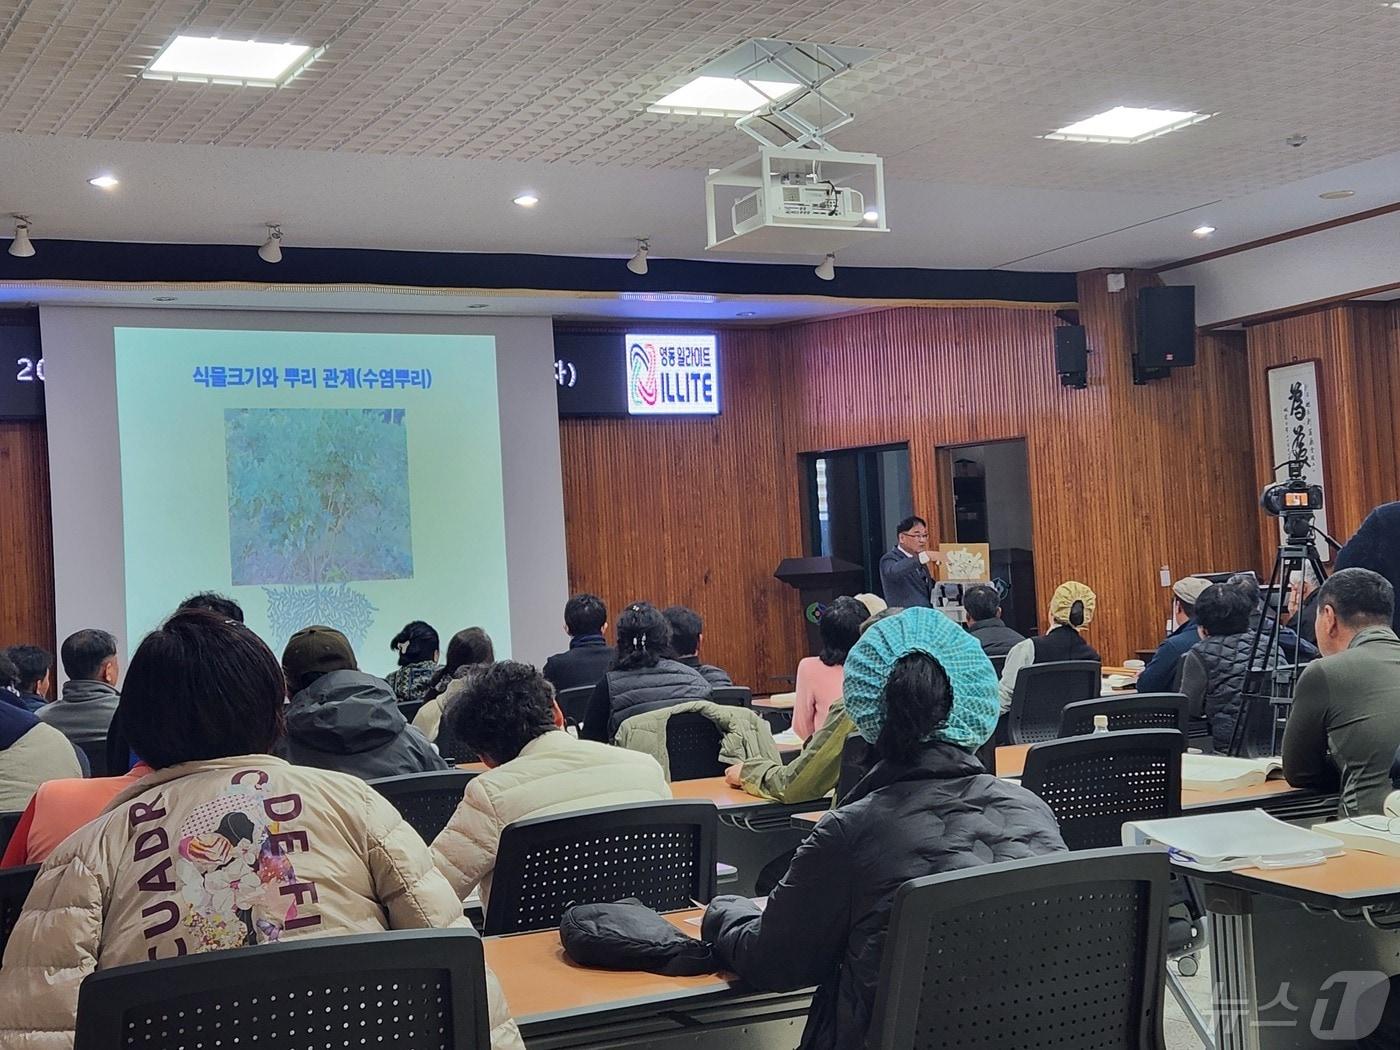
722 97
1126 124
210 60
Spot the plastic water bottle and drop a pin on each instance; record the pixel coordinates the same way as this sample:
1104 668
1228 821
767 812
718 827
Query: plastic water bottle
1100 724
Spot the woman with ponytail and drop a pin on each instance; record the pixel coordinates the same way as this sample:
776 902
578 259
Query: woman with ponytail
417 648
643 675
1072 609
920 687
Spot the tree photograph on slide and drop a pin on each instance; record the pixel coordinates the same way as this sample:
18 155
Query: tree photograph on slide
317 500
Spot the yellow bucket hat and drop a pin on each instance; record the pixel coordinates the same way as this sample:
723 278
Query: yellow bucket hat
1062 603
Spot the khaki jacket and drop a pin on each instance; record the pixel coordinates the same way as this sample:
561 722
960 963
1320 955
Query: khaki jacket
745 734
218 854
554 773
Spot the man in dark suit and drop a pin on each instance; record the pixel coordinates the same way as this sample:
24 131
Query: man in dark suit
589 655
904 572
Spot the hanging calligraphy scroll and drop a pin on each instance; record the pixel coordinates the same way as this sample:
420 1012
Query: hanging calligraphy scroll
1295 421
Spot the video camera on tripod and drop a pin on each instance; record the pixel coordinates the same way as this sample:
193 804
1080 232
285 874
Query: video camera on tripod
1294 500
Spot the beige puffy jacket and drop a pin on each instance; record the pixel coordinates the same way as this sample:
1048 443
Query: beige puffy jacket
554 773
218 854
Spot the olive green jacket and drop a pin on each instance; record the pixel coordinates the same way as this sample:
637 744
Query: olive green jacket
811 775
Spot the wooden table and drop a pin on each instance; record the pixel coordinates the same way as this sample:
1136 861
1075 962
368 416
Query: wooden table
558 1003
1301 930
472 767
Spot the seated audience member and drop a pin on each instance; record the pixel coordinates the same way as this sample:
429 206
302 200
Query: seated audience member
922 688
984 622
84 709
417 646
469 650
1375 546
874 604
816 771
687 631
643 677
341 718
1345 720
1288 640
589 655
30 752
1164 669
203 705
819 677
1214 670
61 807
1071 610
508 716
34 676
215 603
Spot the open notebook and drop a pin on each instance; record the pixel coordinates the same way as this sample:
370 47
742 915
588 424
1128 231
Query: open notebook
1221 772
1226 841
1373 834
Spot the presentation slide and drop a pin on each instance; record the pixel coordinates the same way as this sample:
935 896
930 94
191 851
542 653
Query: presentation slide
348 479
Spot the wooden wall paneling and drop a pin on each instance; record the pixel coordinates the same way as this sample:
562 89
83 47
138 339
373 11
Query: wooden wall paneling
696 512
26 536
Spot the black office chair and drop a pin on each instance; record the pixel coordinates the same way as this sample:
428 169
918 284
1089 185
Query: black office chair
426 800
9 820
692 747
1057 951
1133 711
574 703
732 696
998 663
1043 691
96 751
15 884
410 708
424 989
662 853
1094 784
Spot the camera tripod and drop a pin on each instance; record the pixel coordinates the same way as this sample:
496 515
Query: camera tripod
1273 672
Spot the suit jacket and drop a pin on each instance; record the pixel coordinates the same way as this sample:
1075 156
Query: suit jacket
905 580
588 658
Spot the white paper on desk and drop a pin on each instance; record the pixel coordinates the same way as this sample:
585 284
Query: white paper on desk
1370 834
1223 772
1226 841
787 736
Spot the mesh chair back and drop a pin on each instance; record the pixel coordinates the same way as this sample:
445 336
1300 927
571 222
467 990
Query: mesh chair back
692 747
1096 783
426 800
424 989
1058 951
662 853
409 709
15 884
998 663
1255 734
1138 711
9 820
1043 691
732 696
96 751
574 703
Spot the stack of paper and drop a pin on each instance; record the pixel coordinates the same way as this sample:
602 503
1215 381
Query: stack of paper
1226 841
1371 834
1221 772
787 737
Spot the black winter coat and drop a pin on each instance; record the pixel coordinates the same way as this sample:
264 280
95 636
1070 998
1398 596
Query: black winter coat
622 694
825 922
1376 546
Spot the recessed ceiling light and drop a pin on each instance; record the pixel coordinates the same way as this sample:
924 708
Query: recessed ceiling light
871 216
477 306
747 313
527 200
1204 230
1338 195
104 182
722 97
210 60
163 299
1126 124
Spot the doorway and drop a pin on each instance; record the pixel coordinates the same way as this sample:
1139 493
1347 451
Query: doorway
855 497
985 492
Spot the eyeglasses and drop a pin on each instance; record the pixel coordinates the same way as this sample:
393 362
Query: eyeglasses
915 535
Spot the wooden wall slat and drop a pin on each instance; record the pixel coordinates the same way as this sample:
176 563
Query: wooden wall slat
26 536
